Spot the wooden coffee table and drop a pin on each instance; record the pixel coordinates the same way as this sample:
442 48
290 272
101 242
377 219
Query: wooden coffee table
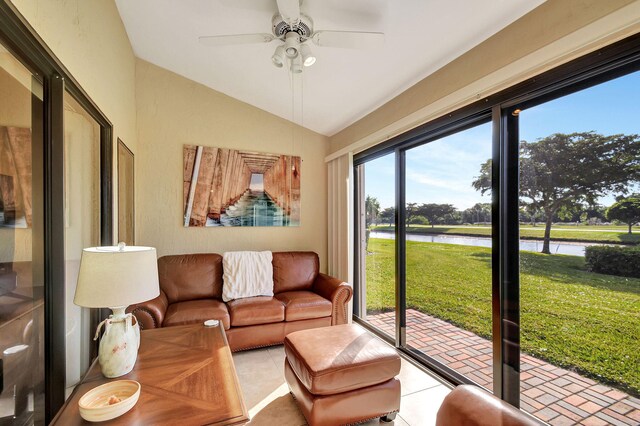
187 377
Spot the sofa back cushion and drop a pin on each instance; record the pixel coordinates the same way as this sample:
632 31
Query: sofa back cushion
294 270
186 277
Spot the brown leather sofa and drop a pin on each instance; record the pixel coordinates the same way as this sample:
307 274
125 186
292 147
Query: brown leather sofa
191 292
469 405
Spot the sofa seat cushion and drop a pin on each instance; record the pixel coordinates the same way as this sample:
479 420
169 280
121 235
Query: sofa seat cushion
340 358
255 310
301 305
196 311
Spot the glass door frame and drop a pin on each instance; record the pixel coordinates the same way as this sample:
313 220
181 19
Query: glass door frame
23 42
502 109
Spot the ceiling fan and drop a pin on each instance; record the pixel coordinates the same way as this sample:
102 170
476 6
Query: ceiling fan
295 29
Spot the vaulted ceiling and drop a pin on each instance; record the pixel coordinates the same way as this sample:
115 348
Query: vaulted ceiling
343 85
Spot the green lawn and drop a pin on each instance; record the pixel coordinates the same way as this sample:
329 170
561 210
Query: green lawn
570 317
596 234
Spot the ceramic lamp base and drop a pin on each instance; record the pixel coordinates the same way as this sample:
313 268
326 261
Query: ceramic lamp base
119 344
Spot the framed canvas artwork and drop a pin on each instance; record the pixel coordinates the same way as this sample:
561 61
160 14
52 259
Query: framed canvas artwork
228 187
126 210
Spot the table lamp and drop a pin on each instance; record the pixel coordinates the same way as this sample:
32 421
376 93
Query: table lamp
116 277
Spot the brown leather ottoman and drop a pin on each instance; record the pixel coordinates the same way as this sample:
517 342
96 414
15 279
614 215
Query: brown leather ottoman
342 375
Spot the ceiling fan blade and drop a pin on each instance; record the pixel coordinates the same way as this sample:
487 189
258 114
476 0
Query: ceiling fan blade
289 10
228 40
348 39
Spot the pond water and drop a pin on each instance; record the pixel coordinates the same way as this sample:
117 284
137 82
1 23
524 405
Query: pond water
569 248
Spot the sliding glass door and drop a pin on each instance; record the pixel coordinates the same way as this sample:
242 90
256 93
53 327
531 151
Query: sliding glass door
447 224
56 156
82 227
22 290
516 248
377 246
579 200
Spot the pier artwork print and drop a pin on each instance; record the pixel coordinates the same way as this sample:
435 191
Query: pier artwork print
228 187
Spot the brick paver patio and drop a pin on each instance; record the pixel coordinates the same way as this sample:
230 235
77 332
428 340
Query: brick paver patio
555 395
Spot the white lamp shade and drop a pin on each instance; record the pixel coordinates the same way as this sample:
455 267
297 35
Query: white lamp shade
114 277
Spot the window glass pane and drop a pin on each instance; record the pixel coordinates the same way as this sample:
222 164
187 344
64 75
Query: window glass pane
82 226
377 245
579 171
448 251
21 249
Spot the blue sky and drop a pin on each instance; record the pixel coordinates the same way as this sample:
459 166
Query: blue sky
442 171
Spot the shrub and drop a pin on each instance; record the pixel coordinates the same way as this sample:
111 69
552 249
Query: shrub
621 261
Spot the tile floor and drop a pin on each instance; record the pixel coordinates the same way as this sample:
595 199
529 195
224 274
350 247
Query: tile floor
269 403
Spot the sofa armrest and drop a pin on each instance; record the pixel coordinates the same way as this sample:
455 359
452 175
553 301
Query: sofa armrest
338 292
150 314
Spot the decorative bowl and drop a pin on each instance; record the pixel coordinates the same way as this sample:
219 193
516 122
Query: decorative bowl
101 403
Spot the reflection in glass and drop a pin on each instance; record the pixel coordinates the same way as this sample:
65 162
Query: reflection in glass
21 249
82 226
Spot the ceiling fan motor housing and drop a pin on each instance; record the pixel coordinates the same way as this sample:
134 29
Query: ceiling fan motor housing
304 27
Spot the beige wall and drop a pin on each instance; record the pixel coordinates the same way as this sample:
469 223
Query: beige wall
541 27
173 111
15 108
89 38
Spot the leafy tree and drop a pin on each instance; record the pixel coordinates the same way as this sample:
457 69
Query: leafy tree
533 213
596 212
565 170
438 213
372 210
626 211
411 210
388 215
480 212
418 220
452 218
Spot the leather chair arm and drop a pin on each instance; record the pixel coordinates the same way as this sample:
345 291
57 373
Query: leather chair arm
338 292
150 314
468 404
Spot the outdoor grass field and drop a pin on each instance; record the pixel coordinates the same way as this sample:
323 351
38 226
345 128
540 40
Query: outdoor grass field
581 233
570 317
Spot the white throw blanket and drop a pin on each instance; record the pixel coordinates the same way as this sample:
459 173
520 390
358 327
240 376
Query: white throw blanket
247 274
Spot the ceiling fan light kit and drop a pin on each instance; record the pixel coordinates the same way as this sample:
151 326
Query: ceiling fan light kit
308 58
295 29
291 44
278 57
296 65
